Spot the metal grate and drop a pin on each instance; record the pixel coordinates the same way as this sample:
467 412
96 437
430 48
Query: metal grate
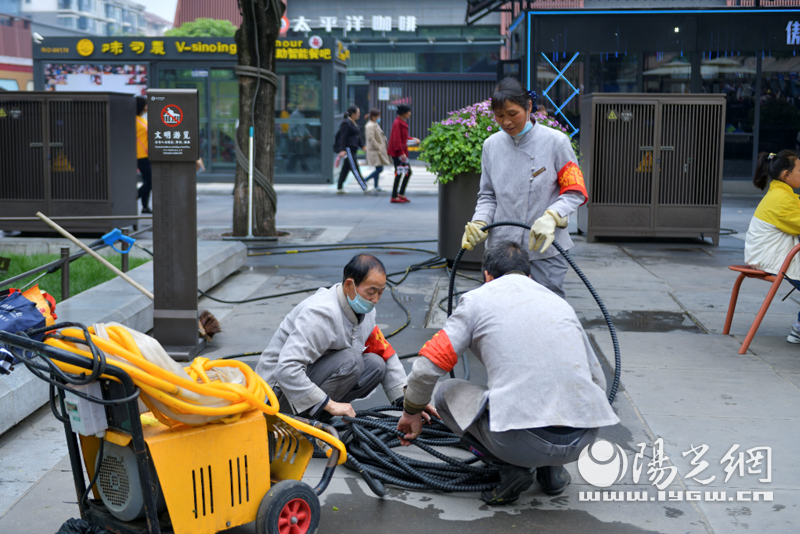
114 481
79 168
623 153
21 150
689 155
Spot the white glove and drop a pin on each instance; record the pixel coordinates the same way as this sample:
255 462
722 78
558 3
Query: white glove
543 231
473 235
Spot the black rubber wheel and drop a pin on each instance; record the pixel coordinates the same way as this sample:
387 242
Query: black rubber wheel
289 507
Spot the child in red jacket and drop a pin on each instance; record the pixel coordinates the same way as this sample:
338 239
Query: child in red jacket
398 150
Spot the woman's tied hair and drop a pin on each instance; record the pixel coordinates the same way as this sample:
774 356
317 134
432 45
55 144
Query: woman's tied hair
771 166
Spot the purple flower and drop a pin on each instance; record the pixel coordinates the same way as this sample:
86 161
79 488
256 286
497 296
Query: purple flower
489 129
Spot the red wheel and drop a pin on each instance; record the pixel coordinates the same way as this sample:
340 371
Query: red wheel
289 507
295 518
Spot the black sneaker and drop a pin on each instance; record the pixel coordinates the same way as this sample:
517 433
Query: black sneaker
146 211
553 479
513 481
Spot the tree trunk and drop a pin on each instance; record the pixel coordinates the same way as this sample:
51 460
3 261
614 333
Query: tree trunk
264 126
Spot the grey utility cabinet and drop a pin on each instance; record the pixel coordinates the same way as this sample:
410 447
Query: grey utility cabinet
67 154
652 165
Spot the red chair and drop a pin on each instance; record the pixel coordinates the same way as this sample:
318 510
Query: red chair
745 271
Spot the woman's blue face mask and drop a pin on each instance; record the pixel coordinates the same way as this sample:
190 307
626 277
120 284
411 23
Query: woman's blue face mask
524 130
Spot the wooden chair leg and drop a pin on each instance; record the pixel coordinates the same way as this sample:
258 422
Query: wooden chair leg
761 313
732 305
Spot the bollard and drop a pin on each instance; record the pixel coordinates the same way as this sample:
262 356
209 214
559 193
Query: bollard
64 273
124 247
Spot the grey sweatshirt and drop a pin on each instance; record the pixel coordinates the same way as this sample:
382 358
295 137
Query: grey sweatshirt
510 191
322 323
542 370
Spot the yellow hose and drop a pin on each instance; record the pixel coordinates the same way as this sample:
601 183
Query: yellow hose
181 394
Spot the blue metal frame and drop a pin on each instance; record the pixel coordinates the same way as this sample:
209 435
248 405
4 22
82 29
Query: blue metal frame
560 74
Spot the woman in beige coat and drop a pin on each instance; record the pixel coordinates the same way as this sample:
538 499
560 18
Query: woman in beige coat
376 147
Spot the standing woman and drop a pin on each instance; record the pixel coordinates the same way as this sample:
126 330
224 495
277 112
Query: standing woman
398 150
348 143
376 147
142 161
529 174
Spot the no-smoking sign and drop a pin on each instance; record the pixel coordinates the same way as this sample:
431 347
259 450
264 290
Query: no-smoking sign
171 115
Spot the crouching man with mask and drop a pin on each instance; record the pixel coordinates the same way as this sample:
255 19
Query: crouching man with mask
329 352
545 398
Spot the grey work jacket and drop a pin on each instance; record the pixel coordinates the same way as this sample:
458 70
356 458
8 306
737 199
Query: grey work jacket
322 323
541 369
509 190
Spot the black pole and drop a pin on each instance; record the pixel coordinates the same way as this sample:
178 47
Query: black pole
64 273
124 260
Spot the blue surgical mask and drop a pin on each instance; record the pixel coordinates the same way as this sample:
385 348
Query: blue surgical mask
378 120
360 305
524 130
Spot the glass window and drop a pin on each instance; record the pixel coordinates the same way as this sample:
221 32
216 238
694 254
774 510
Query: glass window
431 62
396 62
480 31
780 102
667 72
479 62
433 31
67 22
224 91
339 93
9 84
613 74
298 125
734 76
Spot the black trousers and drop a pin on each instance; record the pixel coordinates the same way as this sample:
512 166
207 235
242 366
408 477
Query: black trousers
351 164
398 176
147 180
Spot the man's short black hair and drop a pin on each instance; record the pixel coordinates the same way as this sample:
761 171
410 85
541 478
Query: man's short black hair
402 109
359 267
504 257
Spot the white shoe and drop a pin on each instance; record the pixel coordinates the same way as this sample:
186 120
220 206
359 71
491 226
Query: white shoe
794 335
369 190
341 192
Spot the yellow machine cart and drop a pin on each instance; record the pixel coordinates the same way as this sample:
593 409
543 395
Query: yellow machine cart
187 480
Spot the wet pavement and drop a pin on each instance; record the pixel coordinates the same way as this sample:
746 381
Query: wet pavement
682 381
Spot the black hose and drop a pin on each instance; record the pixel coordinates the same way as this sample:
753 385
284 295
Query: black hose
371 436
98 462
612 392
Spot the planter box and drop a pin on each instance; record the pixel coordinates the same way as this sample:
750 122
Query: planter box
457 201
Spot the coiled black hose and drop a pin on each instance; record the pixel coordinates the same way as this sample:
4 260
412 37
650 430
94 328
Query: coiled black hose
371 436
612 392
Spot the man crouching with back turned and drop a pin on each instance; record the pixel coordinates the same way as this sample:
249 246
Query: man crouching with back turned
546 391
329 352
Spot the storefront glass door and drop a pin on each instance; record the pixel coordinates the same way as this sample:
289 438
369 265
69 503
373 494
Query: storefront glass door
667 72
224 107
298 120
735 77
780 102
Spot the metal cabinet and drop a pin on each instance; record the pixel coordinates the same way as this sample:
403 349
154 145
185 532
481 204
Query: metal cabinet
652 164
69 155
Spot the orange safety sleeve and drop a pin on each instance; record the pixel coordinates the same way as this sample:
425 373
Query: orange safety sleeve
570 178
377 344
440 351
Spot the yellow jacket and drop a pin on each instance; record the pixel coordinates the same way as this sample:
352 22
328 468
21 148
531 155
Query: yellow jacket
141 138
773 231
